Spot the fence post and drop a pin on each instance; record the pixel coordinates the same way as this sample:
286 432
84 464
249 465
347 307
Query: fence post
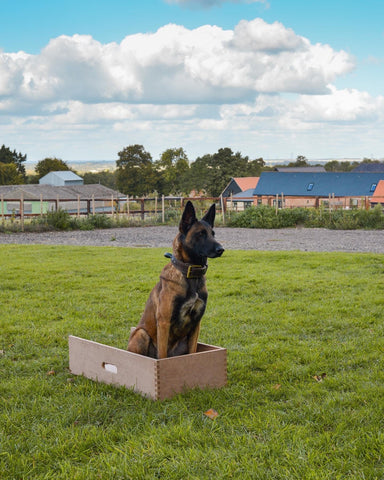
93 204
222 208
128 206
162 210
2 209
112 209
41 204
78 206
142 208
22 211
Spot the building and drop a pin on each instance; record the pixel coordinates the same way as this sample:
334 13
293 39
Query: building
338 190
239 184
318 169
239 192
61 179
373 167
378 196
40 199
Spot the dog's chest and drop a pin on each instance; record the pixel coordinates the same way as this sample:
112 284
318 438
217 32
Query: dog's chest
187 313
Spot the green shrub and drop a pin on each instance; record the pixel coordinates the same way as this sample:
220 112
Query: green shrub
98 221
263 216
57 220
255 217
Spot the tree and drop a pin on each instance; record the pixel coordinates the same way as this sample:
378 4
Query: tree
255 167
213 172
135 171
7 157
9 174
224 165
172 171
199 173
50 165
301 161
336 166
106 178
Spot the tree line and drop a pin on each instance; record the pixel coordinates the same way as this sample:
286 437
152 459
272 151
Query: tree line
137 174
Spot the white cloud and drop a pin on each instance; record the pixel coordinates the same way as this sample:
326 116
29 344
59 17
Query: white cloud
309 111
201 88
173 65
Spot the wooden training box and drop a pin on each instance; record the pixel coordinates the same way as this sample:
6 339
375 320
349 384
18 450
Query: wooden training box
156 379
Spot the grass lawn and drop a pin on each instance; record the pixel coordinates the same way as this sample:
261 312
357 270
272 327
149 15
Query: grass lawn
284 317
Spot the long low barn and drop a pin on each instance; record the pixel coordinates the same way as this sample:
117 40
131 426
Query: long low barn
344 190
41 198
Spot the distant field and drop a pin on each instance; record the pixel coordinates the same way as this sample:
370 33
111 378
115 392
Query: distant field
80 166
305 395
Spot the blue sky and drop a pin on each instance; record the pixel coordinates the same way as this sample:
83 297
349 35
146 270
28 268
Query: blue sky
80 80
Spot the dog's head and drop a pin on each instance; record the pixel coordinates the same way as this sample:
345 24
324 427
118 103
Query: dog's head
198 235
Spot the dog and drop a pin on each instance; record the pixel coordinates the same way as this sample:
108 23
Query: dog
170 323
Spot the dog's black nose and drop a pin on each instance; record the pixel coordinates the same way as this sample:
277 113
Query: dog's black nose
219 250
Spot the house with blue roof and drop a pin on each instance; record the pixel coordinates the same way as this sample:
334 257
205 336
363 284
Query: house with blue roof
340 190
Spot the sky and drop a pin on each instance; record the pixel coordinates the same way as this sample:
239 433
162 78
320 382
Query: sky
82 80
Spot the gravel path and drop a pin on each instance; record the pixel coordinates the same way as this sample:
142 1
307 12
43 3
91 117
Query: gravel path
311 239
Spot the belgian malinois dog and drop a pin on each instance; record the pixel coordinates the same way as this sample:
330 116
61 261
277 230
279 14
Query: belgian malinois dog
170 323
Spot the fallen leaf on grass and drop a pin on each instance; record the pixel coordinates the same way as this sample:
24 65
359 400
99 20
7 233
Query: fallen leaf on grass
320 378
277 386
211 413
2 352
51 372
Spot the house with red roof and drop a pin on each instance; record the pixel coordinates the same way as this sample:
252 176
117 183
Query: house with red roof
239 192
378 195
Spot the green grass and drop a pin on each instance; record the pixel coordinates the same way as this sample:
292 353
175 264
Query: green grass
284 318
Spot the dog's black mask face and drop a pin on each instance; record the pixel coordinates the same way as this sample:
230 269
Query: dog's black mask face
199 237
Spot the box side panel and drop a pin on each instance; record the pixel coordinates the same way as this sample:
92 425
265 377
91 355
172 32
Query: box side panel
112 365
204 370
204 347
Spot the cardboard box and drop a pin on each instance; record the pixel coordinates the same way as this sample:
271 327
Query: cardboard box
156 379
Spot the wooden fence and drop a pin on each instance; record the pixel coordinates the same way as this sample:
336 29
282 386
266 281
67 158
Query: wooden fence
159 207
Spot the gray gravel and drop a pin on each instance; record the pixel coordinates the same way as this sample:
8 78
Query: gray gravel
311 239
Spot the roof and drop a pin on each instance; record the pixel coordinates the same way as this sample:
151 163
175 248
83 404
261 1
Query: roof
65 175
246 195
246 182
369 168
239 184
50 192
378 195
300 169
318 184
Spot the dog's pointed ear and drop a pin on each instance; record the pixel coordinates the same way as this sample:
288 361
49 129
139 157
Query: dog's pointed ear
209 217
188 218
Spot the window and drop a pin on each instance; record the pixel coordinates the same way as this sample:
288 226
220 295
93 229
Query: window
373 187
310 187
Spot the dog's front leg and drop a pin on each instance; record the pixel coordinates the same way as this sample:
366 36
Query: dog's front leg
163 323
192 342
162 337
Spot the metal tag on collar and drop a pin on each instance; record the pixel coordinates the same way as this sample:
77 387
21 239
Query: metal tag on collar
198 274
